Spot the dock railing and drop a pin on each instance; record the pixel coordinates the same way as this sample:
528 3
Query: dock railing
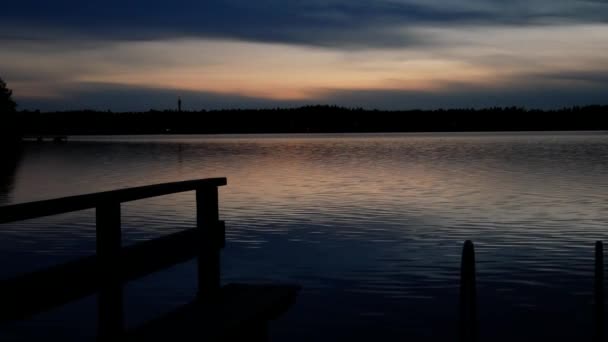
106 272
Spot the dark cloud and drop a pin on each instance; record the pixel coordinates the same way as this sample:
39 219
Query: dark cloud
339 24
598 77
336 23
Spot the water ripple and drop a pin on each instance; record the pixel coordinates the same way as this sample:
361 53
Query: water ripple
371 225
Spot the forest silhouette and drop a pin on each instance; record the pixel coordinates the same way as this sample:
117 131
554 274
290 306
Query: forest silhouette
313 119
308 119
10 122
7 104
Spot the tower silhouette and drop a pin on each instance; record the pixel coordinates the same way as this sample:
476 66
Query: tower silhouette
179 104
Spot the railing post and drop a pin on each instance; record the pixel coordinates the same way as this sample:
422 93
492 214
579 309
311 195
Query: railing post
468 295
599 291
110 298
211 236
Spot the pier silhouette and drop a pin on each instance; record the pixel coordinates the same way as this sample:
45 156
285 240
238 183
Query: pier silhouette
218 312
229 312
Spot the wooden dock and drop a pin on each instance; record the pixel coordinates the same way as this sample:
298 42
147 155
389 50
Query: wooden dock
218 313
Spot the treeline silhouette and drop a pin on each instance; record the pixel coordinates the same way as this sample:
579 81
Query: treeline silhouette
9 130
313 119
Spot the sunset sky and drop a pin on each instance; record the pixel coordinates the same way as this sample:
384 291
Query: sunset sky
387 54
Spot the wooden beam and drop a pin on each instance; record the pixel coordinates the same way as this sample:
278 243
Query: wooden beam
31 210
110 297
598 292
468 295
26 295
211 241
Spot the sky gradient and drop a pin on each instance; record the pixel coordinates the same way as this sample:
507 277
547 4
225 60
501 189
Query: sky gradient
386 54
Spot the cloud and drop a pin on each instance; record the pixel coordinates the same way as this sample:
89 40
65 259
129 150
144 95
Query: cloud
521 94
594 77
271 52
542 90
116 97
350 24
493 62
538 91
347 24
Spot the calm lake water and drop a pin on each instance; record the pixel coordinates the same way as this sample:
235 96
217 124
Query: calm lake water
371 226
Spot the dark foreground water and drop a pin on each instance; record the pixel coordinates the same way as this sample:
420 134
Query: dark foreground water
370 225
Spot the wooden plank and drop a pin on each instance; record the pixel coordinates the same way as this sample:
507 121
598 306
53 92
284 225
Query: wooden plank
207 216
155 255
110 297
31 210
468 295
598 292
241 312
26 295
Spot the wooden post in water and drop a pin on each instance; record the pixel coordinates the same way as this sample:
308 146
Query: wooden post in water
110 298
599 292
468 295
207 219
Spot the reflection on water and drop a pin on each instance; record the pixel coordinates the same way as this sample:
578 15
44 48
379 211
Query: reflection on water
370 225
8 167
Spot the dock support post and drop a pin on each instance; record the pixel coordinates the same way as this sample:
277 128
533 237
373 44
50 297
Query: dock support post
110 298
599 292
468 295
211 240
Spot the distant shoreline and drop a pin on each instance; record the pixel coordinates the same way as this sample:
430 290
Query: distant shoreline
334 134
313 119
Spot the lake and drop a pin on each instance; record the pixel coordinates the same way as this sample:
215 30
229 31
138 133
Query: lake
371 225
